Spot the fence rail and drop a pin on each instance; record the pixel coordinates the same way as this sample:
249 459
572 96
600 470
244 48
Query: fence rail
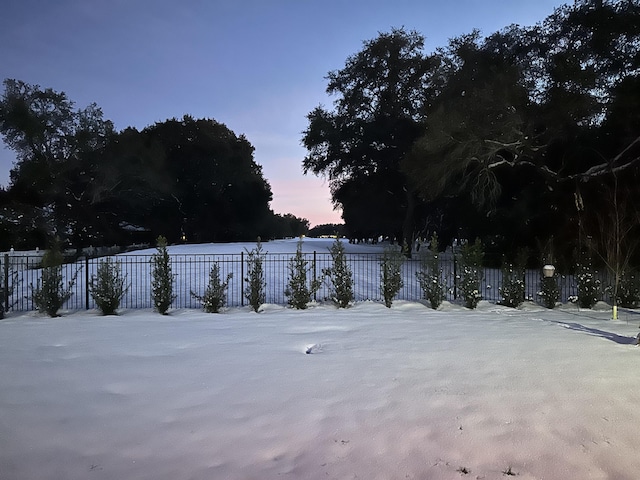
191 271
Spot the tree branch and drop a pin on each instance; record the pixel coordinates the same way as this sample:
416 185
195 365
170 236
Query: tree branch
608 167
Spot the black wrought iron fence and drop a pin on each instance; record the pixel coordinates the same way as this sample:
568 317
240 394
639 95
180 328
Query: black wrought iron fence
191 271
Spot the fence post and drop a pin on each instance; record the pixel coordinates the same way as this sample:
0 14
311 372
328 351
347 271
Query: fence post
455 277
6 282
315 292
242 279
86 282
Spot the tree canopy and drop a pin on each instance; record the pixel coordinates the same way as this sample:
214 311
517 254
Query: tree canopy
359 144
76 178
498 137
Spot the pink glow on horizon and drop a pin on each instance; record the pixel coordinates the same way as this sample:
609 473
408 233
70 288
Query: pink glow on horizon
306 197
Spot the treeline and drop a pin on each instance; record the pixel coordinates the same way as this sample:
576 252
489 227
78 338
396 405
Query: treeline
79 180
526 138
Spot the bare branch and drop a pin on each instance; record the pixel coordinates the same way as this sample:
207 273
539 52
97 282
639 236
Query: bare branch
609 167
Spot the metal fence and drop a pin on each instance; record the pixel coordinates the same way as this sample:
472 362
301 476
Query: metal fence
191 272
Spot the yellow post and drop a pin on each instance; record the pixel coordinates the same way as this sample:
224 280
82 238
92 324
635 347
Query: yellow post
615 312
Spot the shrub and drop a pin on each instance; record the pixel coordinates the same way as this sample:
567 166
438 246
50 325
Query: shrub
588 285
161 277
430 276
5 296
50 292
255 291
299 292
471 277
340 275
215 295
391 274
628 290
513 289
107 287
549 291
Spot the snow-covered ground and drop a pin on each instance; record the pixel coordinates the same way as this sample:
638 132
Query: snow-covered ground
400 393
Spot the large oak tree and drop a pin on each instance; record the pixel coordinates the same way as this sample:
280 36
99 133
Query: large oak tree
77 179
381 94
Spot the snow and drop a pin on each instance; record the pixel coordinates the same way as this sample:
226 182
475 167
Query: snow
326 393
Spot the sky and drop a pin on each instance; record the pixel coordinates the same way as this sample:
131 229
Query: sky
258 66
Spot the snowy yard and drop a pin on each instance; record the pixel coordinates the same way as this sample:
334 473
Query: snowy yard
405 393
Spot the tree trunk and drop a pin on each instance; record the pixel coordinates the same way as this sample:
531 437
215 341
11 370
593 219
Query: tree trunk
408 224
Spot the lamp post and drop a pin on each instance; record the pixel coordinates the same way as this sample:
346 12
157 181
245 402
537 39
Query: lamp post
548 271
550 291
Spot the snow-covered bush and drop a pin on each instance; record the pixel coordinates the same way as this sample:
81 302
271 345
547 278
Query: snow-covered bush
161 277
216 292
255 291
472 272
108 286
50 292
299 291
430 276
549 291
340 275
391 274
588 285
513 289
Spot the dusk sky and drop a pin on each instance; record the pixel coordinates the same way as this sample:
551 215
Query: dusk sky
258 66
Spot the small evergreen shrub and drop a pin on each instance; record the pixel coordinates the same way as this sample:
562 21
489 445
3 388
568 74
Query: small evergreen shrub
255 291
50 292
340 275
108 286
8 294
628 290
549 291
391 274
215 295
588 285
430 276
513 289
471 276
161 277
299 292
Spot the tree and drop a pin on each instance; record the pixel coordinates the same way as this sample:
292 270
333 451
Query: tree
471 273
108 286
216 292
542 102
512 290
131 183
53 143
255 290
340 275
217 191
299 290
382 91
288 226
616 233
50 292
7 286
161 278
78 179
391 274
430 278
474 125
327 230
